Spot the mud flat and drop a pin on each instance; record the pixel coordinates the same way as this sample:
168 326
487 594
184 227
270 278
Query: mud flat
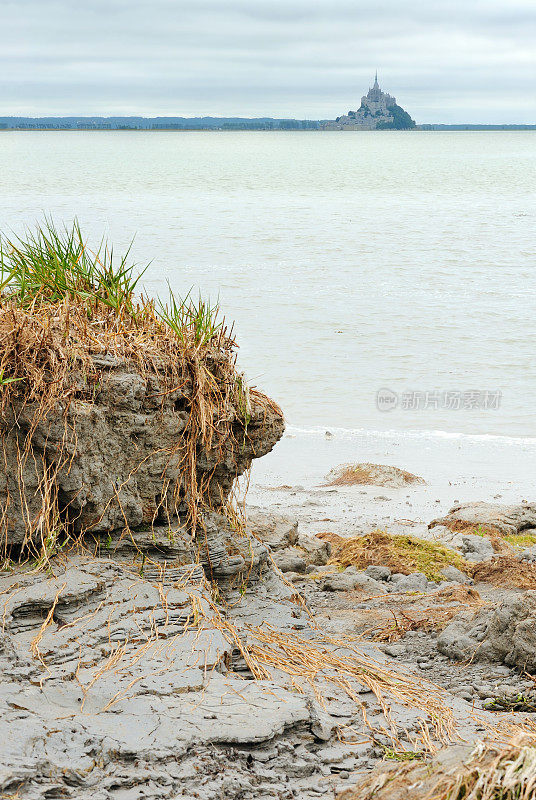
123 682
161 640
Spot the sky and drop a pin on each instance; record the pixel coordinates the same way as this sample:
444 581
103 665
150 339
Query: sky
445 60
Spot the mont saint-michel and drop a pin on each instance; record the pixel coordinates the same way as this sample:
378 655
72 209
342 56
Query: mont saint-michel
378 111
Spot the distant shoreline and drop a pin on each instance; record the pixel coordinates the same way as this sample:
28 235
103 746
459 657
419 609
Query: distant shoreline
418 129
220 124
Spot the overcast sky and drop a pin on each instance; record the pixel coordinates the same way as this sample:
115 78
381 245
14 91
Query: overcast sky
444 60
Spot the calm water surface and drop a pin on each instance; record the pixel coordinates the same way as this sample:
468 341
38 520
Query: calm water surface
350 262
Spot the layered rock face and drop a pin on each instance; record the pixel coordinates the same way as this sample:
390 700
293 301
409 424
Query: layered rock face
116 455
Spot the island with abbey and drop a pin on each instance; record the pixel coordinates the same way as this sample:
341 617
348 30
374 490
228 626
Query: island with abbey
378 111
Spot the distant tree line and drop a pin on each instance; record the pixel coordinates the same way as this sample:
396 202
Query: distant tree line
401 121
156 123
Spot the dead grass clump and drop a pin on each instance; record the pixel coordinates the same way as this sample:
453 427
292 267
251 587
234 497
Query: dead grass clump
429 619
327 666
374 474
450 601
462 526
493 771
506 571
401 553
457 593
501 543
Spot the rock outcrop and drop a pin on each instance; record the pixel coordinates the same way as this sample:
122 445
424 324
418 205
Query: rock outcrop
123 683
373 475
506 634
109 679
114 456
491 518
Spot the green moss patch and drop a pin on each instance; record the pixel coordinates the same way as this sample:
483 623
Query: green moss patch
520 539
404 554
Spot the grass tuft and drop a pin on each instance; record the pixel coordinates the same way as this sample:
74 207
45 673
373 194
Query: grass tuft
520 539
492 771
61 305
199 318
404 554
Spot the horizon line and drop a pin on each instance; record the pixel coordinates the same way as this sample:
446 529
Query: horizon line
231 117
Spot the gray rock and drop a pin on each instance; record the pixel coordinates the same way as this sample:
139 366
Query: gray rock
452 574
338 582
135 671
506 634
349 580
121 453
324 568
416 582
504 519
373 474
529 554
294 577
477 548
379 573
315 551
278 531
441 532
290 560
394 650
368 584
333 754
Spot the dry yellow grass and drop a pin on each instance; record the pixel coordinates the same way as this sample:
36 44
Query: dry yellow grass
447 603
506 571
493 771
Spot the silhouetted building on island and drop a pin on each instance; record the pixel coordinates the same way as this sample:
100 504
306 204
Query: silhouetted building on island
378 111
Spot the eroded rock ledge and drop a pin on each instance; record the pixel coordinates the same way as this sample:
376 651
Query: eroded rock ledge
119 458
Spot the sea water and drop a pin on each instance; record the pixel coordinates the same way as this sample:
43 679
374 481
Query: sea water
382 284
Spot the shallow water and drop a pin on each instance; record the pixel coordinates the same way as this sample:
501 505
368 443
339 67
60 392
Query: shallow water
350 262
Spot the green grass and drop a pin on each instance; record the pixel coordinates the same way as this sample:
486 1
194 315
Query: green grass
199 317
402 755
520 539
6 381
517 702
53 265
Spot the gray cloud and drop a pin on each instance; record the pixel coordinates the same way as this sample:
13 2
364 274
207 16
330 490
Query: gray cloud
446 61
